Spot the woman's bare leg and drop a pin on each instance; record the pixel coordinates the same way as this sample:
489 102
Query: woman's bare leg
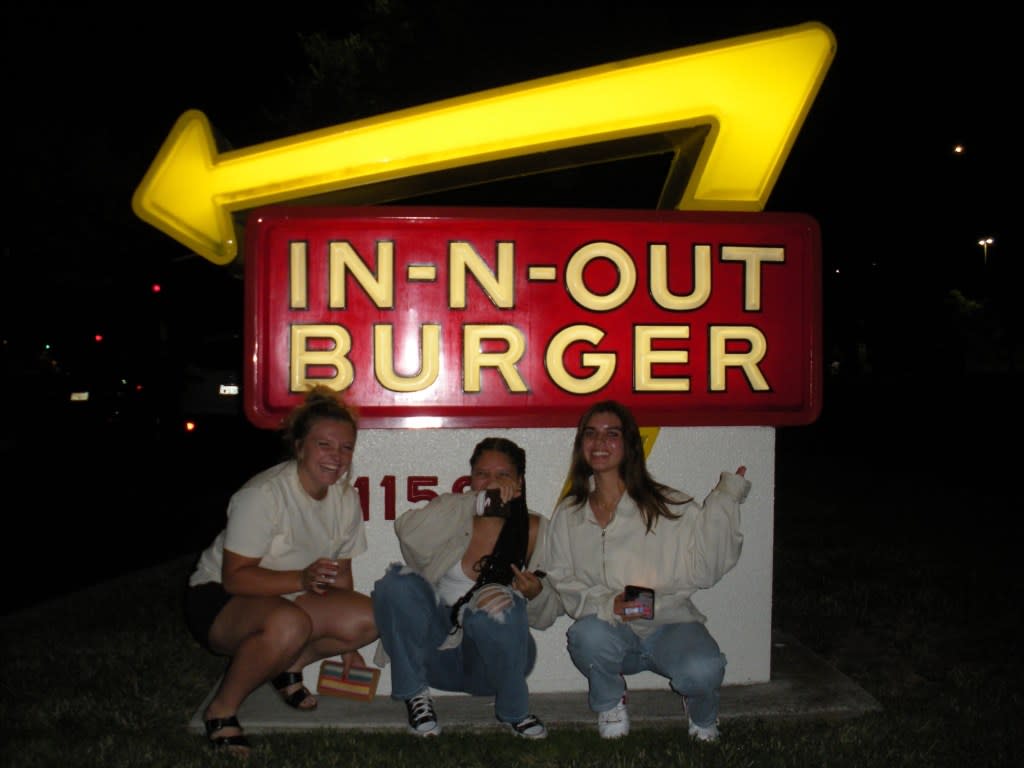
263 636
342 622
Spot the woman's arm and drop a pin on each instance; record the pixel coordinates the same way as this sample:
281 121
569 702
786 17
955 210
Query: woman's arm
544 604
713 539
245 576
424 531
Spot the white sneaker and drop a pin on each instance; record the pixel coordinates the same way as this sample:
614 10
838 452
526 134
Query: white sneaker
530 727
614 723
422 718
709 733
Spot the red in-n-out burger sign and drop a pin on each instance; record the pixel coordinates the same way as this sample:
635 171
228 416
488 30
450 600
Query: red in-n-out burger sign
479 317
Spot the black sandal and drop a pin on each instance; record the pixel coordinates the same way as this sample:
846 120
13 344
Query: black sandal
218 723
296 697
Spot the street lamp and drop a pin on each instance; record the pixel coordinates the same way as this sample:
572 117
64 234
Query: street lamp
985 243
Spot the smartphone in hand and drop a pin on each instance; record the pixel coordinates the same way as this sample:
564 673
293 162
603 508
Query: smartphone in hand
641 599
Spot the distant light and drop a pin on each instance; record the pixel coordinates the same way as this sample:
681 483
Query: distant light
155 287
79 397
98 338
190 426
958 149
229 389
422 422
138 387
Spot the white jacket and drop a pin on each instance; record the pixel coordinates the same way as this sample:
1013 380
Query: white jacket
589 566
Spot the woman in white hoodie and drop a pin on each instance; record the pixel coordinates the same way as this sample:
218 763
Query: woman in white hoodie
618 527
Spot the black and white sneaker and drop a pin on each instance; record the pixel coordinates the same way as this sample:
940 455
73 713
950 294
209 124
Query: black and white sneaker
530 727
422 718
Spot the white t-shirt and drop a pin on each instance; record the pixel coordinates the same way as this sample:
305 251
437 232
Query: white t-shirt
454 584
273 518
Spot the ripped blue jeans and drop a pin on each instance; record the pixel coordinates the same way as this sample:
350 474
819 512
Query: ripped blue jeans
495 656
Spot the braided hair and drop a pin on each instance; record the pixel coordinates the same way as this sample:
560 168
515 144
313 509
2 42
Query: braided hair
513 540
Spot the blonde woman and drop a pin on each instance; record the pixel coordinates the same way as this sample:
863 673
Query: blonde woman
274 591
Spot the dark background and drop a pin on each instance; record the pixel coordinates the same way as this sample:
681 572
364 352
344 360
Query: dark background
920 333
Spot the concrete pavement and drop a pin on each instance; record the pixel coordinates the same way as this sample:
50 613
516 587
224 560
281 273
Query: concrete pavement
802 685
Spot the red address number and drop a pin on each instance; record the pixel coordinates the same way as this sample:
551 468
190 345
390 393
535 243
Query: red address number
417 488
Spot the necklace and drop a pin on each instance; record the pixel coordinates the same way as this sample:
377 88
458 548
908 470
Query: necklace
604 508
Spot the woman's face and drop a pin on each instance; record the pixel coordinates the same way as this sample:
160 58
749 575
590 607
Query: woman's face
325 455
602 442
489 467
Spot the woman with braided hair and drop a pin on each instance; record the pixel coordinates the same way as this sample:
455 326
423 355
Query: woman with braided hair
457 615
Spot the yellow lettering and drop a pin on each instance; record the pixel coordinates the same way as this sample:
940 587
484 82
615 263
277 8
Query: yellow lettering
298 267
302 357
645 357
578 288
663 297
380 289
429 358
603 363
752 256
500 290
474 358
719 360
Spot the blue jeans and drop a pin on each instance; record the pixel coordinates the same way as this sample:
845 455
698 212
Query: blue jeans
493 659
684 653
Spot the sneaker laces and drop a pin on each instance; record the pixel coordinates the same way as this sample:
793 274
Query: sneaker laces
614 715
421 710
614 723
530 727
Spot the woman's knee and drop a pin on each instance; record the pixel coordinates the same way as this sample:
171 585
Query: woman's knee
494 601
497 619
362 623
704 671
496 612
588 636
288 626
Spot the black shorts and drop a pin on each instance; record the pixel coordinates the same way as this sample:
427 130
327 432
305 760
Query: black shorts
202 605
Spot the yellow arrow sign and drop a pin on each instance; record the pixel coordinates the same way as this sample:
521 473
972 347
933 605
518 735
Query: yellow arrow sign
751 93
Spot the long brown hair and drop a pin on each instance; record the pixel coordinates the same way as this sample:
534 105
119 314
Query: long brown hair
653 498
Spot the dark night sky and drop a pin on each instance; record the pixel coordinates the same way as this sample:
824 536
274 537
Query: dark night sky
91 103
